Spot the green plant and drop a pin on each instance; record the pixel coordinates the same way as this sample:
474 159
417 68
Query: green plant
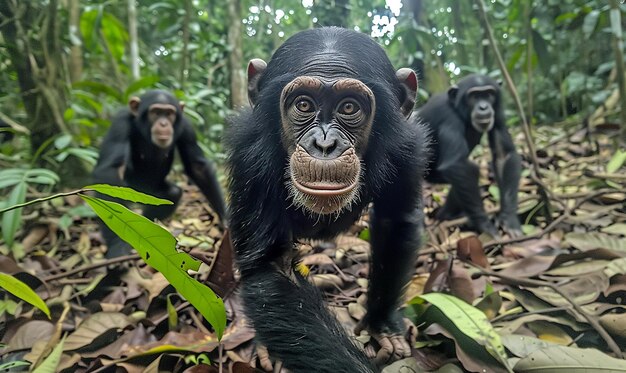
20 179
155 245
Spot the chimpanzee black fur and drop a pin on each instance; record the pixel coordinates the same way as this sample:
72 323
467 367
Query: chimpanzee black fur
268 214
457 120
138 152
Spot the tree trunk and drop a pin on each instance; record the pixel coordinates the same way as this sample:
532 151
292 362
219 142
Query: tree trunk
184 68
76 50
132 35
616 21
237 81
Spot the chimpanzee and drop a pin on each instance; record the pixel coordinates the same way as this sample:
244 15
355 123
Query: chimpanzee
329 132
138 152
457 120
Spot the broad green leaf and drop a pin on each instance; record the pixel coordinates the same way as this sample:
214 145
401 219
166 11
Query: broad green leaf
128 194
616 162
50 364
144 82
562 359
11 219
470 321
63 141
99 88
157 247
590 23
22 291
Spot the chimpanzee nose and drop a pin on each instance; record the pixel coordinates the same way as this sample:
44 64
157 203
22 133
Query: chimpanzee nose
483 106
326 145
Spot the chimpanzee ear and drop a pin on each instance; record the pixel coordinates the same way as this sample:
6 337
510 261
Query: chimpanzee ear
182 106
133 104
256 67
452 91
408 80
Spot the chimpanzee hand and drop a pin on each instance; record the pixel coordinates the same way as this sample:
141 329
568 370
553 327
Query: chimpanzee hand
392 344
484 225
510 224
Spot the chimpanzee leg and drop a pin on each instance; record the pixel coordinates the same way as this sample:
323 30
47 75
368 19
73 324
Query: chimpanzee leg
507 166
508 182
169 192
395 240
452 208
463 177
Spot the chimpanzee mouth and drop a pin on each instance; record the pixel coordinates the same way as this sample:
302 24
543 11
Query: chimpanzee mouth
324 186
482 124
324 189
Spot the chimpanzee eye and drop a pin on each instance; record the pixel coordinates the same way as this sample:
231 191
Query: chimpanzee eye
349 107
304 105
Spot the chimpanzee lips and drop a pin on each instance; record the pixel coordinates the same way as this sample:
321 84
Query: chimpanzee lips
324 186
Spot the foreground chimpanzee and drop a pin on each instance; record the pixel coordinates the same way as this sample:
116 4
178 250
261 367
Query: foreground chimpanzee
138 152
328 133
457 120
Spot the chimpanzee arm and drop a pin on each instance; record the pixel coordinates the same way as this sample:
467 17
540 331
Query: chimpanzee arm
507 169
455 168
396 225
200 170
114 152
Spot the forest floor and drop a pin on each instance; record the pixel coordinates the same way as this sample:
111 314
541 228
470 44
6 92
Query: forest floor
563 284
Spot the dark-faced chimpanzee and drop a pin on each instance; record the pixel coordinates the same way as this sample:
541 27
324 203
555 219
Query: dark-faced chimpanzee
138 152
457 120
328 133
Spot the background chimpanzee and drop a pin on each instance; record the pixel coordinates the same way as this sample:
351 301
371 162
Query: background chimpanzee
457 120
138 152
328 133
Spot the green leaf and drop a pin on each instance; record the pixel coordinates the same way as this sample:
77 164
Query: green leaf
11 219
128 194
62 141
616 162
144 82
50 364
22 291
590 23
157 248
172 315
99 88
365 234
470 321
7 367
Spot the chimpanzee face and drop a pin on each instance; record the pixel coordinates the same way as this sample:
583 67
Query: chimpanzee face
161 118
326 118
325 127
481 101
157 114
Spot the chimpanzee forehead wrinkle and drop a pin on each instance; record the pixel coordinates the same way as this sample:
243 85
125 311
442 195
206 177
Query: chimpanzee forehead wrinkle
328 64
